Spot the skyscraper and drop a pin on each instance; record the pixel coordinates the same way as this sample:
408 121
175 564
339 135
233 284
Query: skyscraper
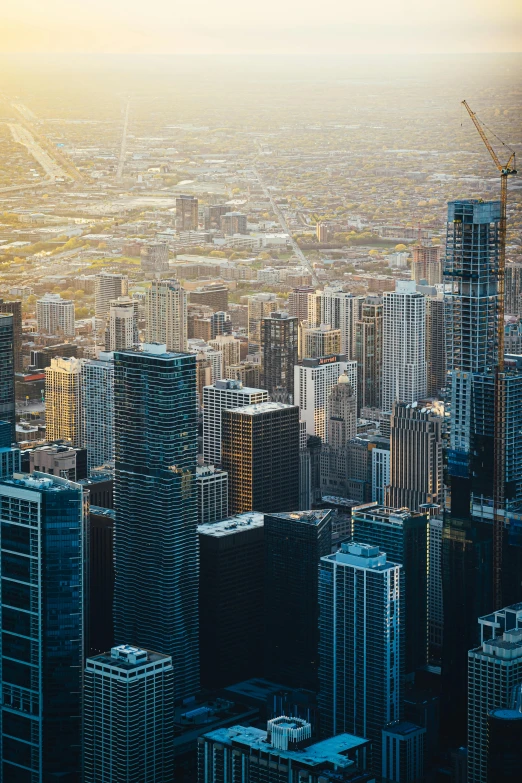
368 352
294 543
361 643
97 395
212 488
426 264
259 307
314 380
15 308
435 345
404 345
229 347
318 341
55 315
403 535
220 395
63 400
108 286
166 314
231 599
415 456
121 330
41 613
513 289
279 342
260 452
128 716
9 455
341 428
155 258
494 669
341 310
298 302
7 384
186 213
156 547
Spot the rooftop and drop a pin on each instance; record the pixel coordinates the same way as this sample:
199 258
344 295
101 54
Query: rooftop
306 517
39 482
403 728
232 525
127 658
262 407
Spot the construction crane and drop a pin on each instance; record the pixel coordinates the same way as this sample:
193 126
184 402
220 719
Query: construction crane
506 170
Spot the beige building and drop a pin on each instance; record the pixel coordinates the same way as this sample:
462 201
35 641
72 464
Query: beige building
166 315
55 460
63 415
122 324
229 347
259 306
319 341
248 373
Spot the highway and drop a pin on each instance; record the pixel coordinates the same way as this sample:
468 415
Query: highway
51 168
297 250
123 147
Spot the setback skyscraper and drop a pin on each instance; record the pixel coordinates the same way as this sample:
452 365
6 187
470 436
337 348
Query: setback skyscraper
156 547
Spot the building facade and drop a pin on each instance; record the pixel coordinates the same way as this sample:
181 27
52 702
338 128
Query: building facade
63 400
426 264
55 315
14 307
220 395
166 315
314 380
318 341
212 488
279 346
7 370
368 352
187 213
97 393
121 330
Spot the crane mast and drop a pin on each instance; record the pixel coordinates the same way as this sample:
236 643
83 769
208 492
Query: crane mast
499 457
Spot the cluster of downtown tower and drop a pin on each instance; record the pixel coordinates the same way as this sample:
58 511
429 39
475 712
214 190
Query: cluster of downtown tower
347 621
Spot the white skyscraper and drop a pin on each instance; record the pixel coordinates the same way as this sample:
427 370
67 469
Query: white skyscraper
404 345
380 473
55 315
361 643
128 716
166 315
108 286
63 400
223 394
98 409
341 310
314 380
122 324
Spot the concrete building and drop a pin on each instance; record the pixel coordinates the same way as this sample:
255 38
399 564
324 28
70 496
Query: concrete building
166 315
380 474
360 631
368 352
298 302
341 429
233 223
97 391
426 264
435 345
14 307
121 330
314 380
260 452
340 310
286 751
229 347
494 669
128 716
404 345
415 456
259 306
187 213
220 395
403 753
57 460
213 295
279 347
7 370
318 341
513 288
108 286
435 604
63 400
55 315
248 373
9 455
231 599
212 488
155 258
41 613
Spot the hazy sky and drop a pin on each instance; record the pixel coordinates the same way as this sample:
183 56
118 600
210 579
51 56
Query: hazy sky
282 26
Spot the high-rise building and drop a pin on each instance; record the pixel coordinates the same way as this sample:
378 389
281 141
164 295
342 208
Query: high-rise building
259 306
220 324
233 223
279 343
314 380
361 643
155 258
318 341
220 395
435 605
426 264
341 428
231 600
108 286
494 669
97 395
340 310
214 295
404 345
7 365
55 315
9 455
166 315
41 358
15 308
229 347
435 345
56 459
99 622
403 535
294 543
212 215
63 400
403 753
128 716
121 330
380 473
41 613
260 452
248 373
156 547
186 213
286 747
415 456
505 741
298 302
212 487
368 352
513 289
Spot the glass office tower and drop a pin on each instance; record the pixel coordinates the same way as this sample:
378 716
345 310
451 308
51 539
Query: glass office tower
41 614
156 544
7 388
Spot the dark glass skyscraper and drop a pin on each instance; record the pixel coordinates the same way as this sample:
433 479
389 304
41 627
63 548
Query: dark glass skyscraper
294 545
279 349
156 544
41 615
7 392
